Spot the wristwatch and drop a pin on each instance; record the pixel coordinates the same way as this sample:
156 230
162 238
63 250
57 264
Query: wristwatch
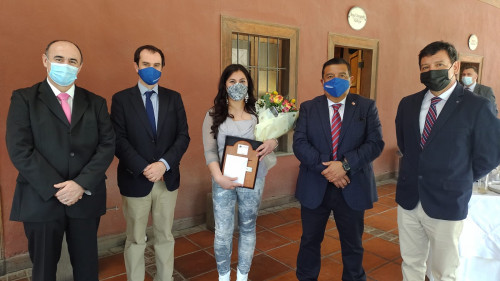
345 165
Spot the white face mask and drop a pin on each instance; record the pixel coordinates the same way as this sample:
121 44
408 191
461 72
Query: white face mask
467 80
237 91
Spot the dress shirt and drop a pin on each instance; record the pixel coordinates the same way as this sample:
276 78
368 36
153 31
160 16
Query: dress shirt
341 109
426 103
70 92
156 104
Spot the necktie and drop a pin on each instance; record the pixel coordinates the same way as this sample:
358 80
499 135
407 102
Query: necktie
150 112
429 121
63 97
335 128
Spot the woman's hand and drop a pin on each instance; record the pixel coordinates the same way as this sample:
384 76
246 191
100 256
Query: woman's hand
227 182
266 147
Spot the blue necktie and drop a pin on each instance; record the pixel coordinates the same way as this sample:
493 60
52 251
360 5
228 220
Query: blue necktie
150 112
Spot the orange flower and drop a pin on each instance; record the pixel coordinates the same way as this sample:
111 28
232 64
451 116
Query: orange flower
277 99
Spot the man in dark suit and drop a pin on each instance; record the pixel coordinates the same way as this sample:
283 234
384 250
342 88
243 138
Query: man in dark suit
448 138
151 137
469 80
337 137
60 139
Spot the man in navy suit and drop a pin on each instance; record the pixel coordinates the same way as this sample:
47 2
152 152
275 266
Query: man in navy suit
448 138
337 137
151 137
60 139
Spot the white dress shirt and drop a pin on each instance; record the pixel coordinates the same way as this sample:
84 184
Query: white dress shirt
426 103
341 109
70 92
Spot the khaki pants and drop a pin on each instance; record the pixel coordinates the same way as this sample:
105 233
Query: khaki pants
161 203
420 237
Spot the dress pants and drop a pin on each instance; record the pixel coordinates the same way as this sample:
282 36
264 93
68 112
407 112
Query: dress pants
45 242
421 236
161 203
350 225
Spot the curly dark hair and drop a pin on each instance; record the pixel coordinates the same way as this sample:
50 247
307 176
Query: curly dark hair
220 111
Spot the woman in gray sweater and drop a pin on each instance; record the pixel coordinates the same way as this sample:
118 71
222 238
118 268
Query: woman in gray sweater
233 114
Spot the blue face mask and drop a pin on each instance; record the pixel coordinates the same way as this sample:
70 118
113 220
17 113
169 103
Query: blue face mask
336 87
63 74
467 80
150 75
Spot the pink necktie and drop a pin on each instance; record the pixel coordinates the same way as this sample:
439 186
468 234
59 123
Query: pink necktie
335 128
63 97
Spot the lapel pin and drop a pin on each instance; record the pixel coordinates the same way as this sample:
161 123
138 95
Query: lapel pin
353 103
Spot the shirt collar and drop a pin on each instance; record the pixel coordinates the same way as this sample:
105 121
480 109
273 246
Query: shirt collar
444 96
70 91
143 88
330 103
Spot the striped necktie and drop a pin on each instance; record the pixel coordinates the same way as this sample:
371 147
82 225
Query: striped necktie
335 128
430 119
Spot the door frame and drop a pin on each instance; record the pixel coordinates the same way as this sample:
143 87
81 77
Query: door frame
342 40
465 58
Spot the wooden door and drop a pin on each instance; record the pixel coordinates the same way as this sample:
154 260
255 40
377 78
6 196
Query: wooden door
356 61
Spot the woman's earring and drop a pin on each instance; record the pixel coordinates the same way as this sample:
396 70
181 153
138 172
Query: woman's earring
246 98
227 101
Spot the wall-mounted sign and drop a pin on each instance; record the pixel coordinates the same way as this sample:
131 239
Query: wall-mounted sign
356 18
473 41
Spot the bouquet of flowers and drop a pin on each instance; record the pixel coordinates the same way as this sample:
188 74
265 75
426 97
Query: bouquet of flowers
277 116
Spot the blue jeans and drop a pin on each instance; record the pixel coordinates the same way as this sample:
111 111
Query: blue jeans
248 205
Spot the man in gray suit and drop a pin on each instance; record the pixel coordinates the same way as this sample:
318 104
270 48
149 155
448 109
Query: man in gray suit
469 79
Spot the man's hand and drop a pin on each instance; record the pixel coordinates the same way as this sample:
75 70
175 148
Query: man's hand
343 182
266 147
154 171
334 171
69 192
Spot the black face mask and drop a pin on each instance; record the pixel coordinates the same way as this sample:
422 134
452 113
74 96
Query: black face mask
435 80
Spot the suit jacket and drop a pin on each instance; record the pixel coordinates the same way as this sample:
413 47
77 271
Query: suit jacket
487 92
136 146
46 150
463 146
360 142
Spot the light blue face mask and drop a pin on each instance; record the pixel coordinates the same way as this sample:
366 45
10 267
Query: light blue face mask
63 74
467 80
150 75
336 87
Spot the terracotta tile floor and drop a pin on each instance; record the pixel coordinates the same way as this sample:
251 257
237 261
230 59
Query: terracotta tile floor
278 238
